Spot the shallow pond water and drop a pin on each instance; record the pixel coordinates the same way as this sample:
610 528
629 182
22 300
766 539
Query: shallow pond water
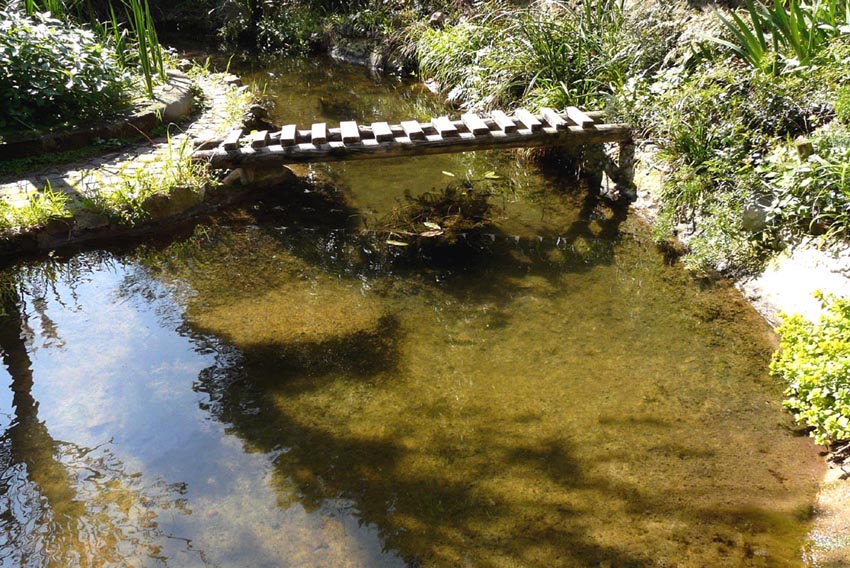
276 390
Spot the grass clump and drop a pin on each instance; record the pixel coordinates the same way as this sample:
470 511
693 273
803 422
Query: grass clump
553 54
127 197
814 359
41 208
776 35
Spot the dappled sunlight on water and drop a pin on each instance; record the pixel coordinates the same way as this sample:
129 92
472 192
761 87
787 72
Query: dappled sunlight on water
283 389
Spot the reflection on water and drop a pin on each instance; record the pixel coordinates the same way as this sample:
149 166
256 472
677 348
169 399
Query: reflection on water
278 390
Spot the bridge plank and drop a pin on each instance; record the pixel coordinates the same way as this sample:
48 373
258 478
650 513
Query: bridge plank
350 132
383 132
475 124
553 119
579 118
319 133
434 144
413 130
503 122
528 120
231 141
260 139
444 127
288 135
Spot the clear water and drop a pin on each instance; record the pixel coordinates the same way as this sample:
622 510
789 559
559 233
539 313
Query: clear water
270 391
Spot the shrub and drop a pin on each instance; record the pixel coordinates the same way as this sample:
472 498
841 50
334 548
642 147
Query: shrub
814 358
815 193
52 72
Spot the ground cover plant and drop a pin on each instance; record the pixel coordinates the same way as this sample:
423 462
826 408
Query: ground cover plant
62 66
814 359
54 71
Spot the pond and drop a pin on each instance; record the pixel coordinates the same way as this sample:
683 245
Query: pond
276 389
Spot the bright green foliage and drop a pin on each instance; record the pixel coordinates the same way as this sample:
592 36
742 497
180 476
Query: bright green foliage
795 30
814 358
39 209
53 72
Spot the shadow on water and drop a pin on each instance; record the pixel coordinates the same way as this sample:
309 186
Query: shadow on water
429 515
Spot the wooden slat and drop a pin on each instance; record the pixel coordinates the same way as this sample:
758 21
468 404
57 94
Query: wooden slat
435 144
475 124
528 120
231 141
383 132
506 124
444 127
553 118
319 133
260 139
579 118
413 130
350 132
287 135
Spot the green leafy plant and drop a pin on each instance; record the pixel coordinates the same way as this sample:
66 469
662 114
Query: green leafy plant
813 193
55 72
814 359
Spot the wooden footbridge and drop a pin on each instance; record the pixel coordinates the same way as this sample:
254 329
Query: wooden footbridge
350 141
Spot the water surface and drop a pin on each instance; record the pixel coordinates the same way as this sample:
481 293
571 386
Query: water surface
276 390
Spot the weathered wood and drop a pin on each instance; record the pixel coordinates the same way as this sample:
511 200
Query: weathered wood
413 130
231 141
528 120
288 135
366 131
260 139
572 136
474 123
445 127
553 118
319 134
507 125
579 118
383 132
350 132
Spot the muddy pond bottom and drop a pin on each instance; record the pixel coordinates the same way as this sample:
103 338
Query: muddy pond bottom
251 396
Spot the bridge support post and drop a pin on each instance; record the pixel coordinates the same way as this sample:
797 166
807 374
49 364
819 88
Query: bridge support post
597 163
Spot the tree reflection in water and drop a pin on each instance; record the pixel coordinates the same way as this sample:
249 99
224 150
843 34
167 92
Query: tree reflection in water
62 504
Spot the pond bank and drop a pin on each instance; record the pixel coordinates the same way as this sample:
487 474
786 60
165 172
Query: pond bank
141 187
